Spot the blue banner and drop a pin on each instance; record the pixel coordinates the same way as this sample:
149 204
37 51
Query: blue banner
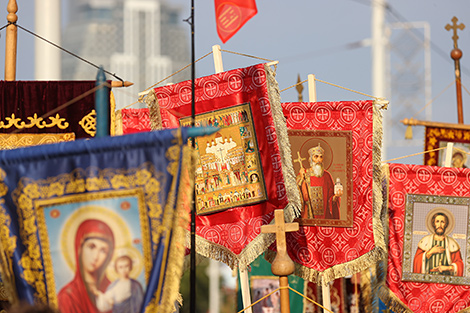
97 225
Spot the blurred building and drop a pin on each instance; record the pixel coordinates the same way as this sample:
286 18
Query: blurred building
408 86
142 41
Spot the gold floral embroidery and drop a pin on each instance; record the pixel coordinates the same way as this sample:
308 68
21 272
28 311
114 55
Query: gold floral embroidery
13 141
34 121
8 242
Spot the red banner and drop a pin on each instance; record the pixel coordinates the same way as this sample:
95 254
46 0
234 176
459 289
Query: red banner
323 254
231 15
420 197
135 120
243 169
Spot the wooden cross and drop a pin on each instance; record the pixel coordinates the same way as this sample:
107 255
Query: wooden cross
300 159
454 27
280 228
282 265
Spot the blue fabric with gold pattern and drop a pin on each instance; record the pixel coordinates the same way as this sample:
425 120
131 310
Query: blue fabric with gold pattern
80 220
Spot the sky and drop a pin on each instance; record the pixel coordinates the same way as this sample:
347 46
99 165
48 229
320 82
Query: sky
314 37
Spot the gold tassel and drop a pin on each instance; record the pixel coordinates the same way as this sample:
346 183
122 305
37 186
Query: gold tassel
112 109
118 130
409 132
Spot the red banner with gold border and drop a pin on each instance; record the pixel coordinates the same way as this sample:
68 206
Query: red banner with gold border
245 105
416 193
324 253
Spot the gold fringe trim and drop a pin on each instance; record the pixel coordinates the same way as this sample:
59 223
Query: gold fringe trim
371 281
256 247
385 294
261 243
118 125
154 111
180 219
367 278
374 277
294 208
392 301
379 251
112 116
222 254
187 259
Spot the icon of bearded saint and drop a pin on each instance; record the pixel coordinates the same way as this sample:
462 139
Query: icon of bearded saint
437 253
317 189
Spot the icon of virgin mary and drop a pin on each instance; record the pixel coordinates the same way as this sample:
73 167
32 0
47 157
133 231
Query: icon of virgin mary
94 247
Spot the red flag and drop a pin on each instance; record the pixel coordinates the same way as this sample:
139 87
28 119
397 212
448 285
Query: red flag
231 15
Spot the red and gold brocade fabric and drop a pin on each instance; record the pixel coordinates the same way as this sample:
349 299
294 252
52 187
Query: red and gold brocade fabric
434 183
323 254
233 235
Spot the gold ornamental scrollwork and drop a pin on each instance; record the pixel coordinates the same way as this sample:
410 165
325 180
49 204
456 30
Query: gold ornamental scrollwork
88 123
34 121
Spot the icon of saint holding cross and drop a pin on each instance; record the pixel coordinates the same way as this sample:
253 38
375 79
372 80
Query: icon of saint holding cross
321 198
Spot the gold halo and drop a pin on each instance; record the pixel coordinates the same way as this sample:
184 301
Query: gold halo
447 212
137 262
122 237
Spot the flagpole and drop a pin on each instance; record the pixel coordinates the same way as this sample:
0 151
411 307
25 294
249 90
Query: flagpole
102 104
192 295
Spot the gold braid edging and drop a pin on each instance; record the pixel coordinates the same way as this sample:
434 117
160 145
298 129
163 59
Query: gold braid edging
379 251
92 180
8 244
176 217
258 245
154 111
181 219
293 209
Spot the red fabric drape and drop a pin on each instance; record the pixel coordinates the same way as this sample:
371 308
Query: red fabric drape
426 180
135 120
233 230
